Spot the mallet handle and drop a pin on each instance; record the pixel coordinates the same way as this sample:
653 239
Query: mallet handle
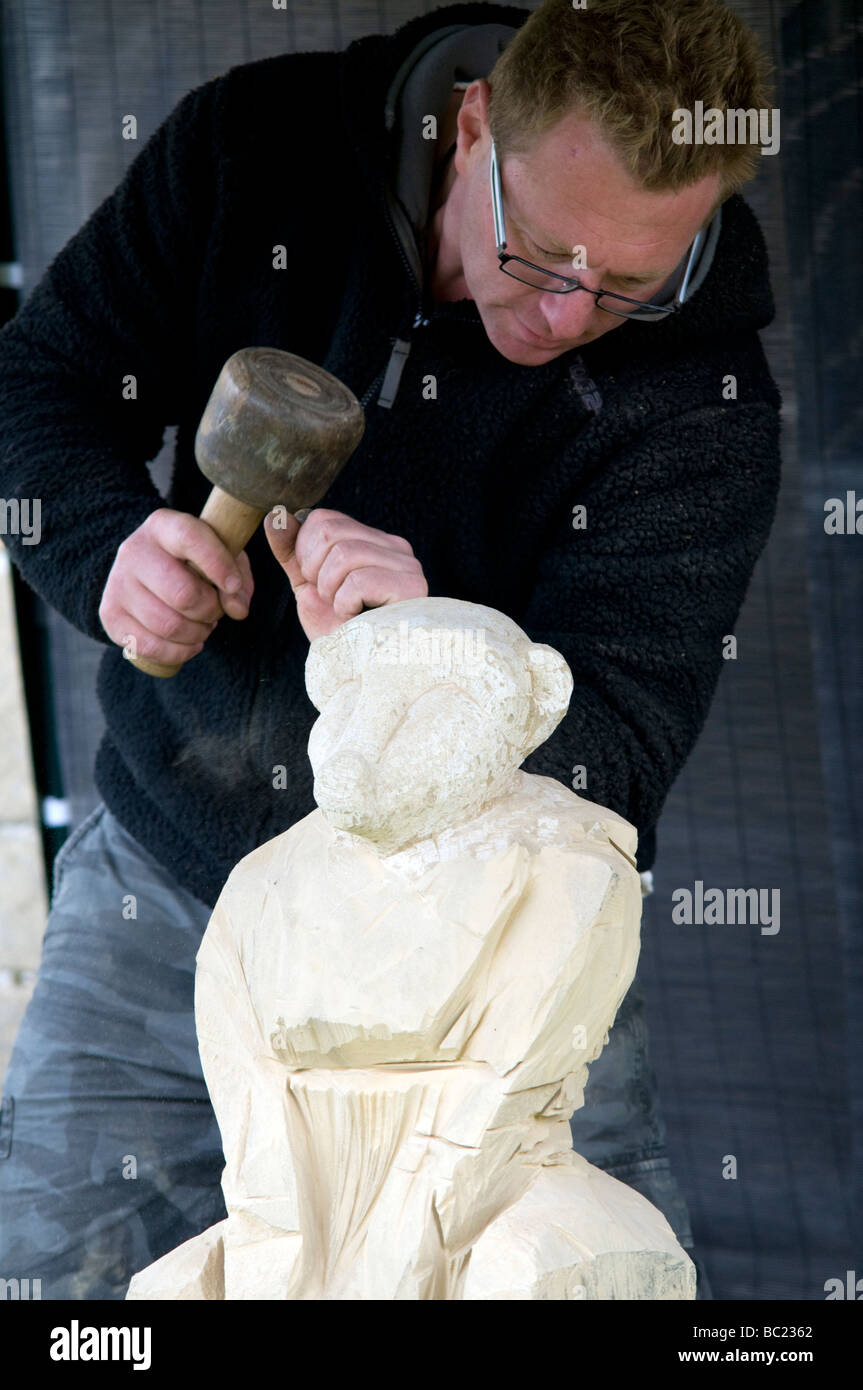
235 524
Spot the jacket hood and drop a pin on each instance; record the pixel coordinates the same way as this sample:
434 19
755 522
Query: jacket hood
390 83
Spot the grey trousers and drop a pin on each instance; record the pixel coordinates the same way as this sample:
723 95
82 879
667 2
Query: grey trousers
110 1153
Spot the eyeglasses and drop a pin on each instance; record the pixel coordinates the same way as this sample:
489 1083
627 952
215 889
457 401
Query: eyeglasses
542 279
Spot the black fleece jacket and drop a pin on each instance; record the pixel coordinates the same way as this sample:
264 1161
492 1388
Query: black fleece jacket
174 272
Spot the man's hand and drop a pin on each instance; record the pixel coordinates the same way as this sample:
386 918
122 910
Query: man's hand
337 567
151 596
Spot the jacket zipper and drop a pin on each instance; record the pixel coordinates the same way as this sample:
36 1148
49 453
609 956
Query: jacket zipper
389 376
400 346
401 250
364 400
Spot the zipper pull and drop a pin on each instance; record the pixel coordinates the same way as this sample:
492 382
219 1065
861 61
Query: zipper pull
393 373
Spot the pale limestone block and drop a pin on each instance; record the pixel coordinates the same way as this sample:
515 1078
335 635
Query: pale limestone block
16 987
397 999
17 789
578 1233
192 1272
23 896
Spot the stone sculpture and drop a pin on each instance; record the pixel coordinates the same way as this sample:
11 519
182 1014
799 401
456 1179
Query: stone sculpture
398 998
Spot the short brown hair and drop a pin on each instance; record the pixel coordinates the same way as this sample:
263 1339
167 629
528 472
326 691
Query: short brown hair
628 65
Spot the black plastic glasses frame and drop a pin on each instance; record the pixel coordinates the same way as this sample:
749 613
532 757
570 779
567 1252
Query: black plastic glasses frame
568 283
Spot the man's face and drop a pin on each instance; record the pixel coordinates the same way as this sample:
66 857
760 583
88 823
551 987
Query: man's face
569 191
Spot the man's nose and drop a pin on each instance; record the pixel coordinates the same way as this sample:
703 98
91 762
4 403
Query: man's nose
568 315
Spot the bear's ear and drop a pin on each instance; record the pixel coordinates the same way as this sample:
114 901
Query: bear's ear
552 687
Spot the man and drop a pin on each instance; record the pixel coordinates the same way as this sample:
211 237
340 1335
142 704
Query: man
608 481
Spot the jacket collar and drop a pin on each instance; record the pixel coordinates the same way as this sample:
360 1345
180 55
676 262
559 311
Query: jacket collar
389 83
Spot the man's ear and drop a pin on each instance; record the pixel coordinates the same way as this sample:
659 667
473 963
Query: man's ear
552 683
472 120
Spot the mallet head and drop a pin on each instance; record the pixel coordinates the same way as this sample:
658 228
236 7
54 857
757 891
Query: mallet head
277 429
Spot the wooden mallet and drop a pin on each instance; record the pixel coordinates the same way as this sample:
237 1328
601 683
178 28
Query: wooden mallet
276 430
